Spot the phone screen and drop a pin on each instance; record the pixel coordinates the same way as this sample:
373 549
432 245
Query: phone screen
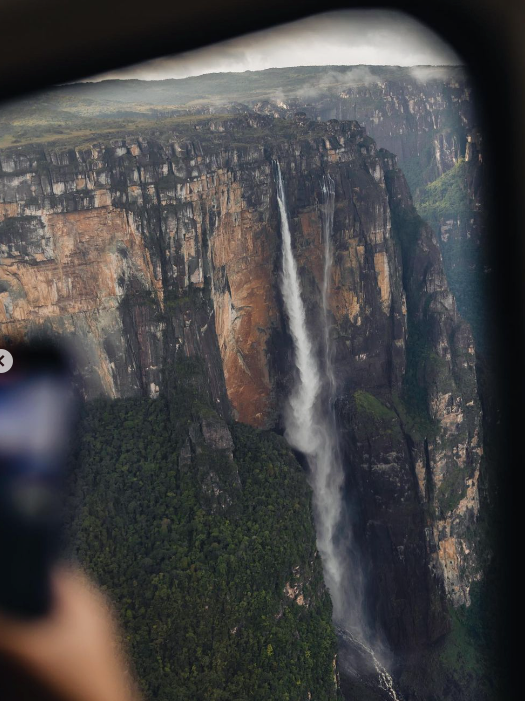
33 418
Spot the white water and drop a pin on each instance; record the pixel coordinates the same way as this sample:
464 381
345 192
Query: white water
310 427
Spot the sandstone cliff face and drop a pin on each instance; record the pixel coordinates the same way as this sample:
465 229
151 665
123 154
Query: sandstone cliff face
149 247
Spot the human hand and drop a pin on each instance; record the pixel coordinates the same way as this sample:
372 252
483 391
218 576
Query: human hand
74 650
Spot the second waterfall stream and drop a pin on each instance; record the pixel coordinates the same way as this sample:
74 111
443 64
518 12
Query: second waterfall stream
310 427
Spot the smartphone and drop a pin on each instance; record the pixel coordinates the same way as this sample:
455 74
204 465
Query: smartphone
36 405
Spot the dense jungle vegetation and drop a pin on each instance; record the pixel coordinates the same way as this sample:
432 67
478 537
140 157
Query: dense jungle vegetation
196 549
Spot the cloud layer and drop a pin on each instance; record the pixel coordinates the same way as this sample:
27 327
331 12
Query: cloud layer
352 37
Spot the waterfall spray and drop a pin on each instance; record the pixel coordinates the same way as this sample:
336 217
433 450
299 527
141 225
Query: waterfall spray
310 427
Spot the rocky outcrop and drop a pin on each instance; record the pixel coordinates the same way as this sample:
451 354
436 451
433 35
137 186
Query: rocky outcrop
156 246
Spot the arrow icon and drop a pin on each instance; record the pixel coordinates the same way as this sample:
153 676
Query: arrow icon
6 360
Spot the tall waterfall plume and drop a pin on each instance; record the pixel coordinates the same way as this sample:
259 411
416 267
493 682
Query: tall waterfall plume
310 427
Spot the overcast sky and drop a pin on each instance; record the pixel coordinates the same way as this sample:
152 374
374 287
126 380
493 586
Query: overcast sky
338 38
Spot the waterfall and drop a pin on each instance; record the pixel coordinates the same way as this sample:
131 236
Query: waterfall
306 430
301 409
310 427
327 220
